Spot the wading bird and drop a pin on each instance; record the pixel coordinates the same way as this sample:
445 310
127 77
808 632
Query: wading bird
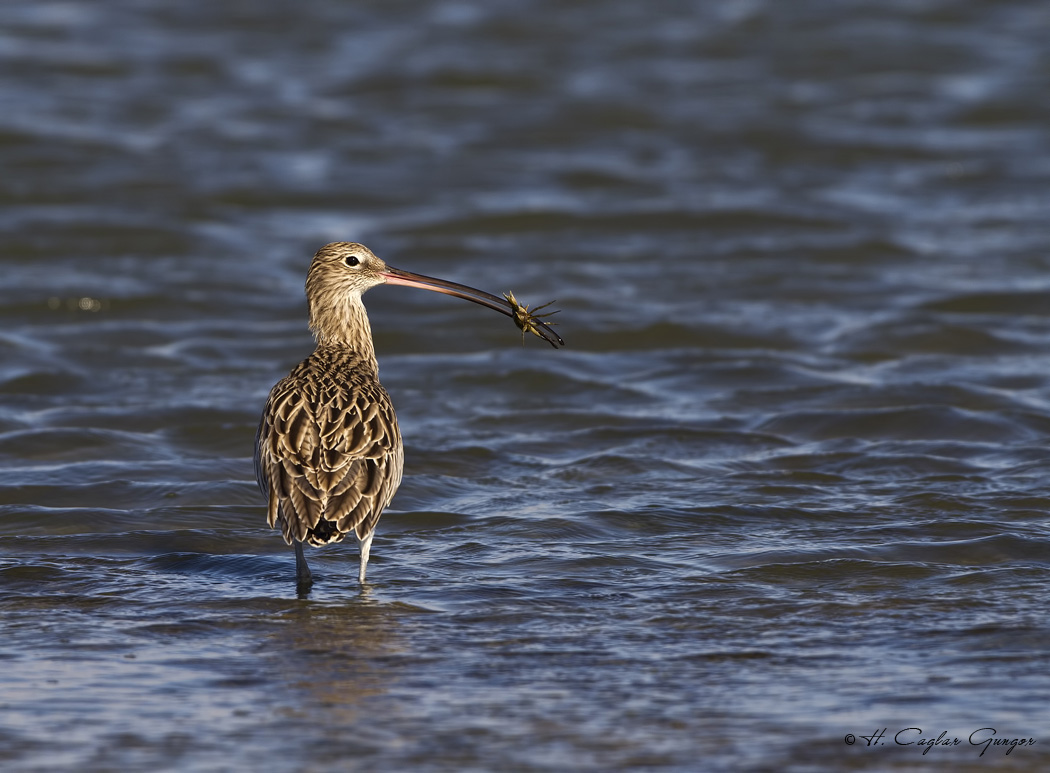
328 452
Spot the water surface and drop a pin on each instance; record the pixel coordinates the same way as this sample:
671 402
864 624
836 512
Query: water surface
788 481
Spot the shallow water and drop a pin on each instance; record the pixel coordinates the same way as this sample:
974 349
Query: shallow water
788 481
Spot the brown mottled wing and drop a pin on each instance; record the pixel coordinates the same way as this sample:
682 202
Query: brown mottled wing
328 452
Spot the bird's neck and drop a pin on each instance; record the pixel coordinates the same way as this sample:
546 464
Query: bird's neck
341 321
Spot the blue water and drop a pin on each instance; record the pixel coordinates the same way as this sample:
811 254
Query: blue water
785 488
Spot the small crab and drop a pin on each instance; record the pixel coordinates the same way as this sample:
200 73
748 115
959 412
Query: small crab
531 322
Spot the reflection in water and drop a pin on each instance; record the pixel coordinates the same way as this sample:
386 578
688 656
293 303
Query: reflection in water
335 657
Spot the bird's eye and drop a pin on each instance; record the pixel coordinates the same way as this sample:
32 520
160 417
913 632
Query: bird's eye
352 260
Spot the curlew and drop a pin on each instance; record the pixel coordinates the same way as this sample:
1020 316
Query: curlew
328 452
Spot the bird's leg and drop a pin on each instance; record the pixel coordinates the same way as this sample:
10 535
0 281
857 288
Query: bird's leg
303 577
366 545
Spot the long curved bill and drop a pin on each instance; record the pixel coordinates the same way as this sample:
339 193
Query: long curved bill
525 320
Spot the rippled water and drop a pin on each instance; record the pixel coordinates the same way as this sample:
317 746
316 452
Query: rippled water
788 482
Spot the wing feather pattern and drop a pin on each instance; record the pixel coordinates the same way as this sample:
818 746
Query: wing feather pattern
328 452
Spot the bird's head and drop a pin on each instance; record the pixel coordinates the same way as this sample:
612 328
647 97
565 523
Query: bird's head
342 271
